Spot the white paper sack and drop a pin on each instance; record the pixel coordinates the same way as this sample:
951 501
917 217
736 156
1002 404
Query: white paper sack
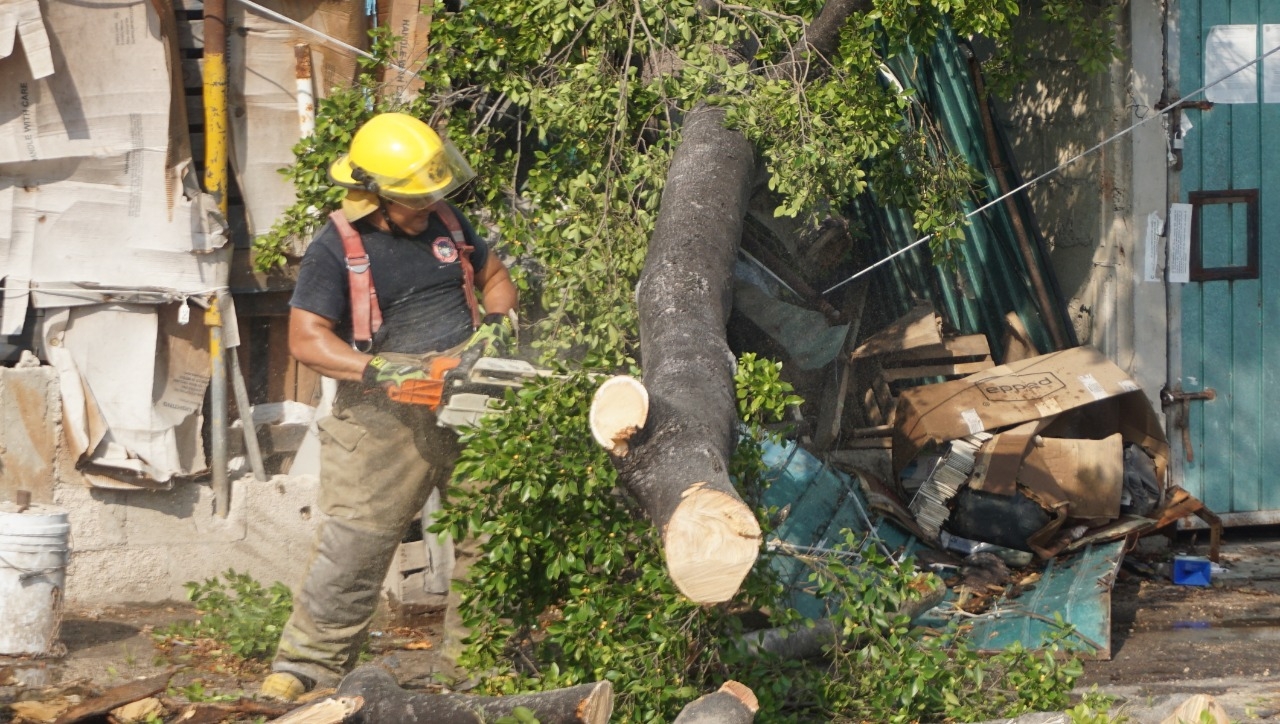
133 382
21 18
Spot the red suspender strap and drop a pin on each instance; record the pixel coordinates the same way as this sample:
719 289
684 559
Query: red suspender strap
450 219
366 315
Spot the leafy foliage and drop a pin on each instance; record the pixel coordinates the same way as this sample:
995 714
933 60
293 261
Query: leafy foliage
237 611
571 588
570 110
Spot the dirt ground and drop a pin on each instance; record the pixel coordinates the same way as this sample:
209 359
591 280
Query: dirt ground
1166 639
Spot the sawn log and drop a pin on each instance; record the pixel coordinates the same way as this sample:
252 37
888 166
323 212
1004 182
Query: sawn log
678 464
385 701
734 703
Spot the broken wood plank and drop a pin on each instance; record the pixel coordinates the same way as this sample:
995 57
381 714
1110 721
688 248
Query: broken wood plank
212 713
116 697
969 345
917 328
330 710
958 369
1017 344
385 701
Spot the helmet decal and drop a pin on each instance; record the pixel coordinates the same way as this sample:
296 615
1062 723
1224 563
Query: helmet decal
444 249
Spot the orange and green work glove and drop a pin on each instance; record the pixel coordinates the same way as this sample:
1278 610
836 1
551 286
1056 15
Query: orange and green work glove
495 336
405 382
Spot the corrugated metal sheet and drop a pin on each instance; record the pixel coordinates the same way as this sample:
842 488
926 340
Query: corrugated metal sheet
993 278
820 502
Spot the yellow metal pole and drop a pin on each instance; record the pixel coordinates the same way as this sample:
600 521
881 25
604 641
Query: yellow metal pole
215 183
215 101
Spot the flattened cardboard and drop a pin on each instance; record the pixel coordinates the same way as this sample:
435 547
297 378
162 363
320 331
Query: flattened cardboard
1021 392
98 199
262 92
133 381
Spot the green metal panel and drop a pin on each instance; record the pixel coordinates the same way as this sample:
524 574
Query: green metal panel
1229 326
993 277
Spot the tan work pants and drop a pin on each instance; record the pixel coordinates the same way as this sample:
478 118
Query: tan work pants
379 462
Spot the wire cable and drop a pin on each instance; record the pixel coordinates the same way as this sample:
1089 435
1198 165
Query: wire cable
319 34
1115 137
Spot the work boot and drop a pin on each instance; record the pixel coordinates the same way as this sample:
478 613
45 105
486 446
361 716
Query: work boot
285 686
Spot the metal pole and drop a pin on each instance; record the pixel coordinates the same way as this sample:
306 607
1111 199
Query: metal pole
251 448
215 101
218 415
215 183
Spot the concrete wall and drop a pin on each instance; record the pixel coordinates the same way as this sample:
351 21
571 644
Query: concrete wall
143 546
1093 210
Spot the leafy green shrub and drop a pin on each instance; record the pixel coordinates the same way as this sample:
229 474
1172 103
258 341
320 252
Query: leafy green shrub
236 611
571 588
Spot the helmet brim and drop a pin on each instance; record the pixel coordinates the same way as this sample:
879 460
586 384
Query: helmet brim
358 204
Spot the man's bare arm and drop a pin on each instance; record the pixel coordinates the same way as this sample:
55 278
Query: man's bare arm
314 343
496 287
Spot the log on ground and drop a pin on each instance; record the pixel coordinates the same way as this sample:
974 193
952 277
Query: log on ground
385 701
734 703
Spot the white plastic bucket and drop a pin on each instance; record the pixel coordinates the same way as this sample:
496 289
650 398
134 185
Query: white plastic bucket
33 572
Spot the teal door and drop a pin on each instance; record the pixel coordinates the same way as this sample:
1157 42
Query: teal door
1224 420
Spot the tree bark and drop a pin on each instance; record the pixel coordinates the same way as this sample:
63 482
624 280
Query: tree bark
734 703
385 701
677 465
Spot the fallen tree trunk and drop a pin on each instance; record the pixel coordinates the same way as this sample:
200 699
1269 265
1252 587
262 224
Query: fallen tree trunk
385 701
802 641
734 703
677 463
678 467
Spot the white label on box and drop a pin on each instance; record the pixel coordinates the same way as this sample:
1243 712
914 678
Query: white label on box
970 417
1129 386
1091 384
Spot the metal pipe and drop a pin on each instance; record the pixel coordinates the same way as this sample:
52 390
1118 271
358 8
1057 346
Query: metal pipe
218 413
305 89
1052 312
215 184
215 101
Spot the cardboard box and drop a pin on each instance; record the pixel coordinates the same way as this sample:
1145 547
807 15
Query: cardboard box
410 23
262 92
1060 422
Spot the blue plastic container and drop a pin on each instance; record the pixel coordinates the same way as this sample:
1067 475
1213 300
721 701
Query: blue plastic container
1192 571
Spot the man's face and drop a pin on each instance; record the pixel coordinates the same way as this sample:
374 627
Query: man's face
411 221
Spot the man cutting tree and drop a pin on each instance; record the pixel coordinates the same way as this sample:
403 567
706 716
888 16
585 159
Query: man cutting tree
396 277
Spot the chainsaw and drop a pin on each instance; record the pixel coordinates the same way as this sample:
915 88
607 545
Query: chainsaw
462 389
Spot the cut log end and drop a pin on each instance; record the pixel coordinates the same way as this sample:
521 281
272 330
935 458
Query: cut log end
711 542
597 707
619 409
742 693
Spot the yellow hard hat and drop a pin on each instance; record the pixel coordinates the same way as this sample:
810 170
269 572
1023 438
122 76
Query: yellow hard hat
398 157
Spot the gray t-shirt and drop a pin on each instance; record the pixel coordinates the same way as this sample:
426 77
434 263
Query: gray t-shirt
418 279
